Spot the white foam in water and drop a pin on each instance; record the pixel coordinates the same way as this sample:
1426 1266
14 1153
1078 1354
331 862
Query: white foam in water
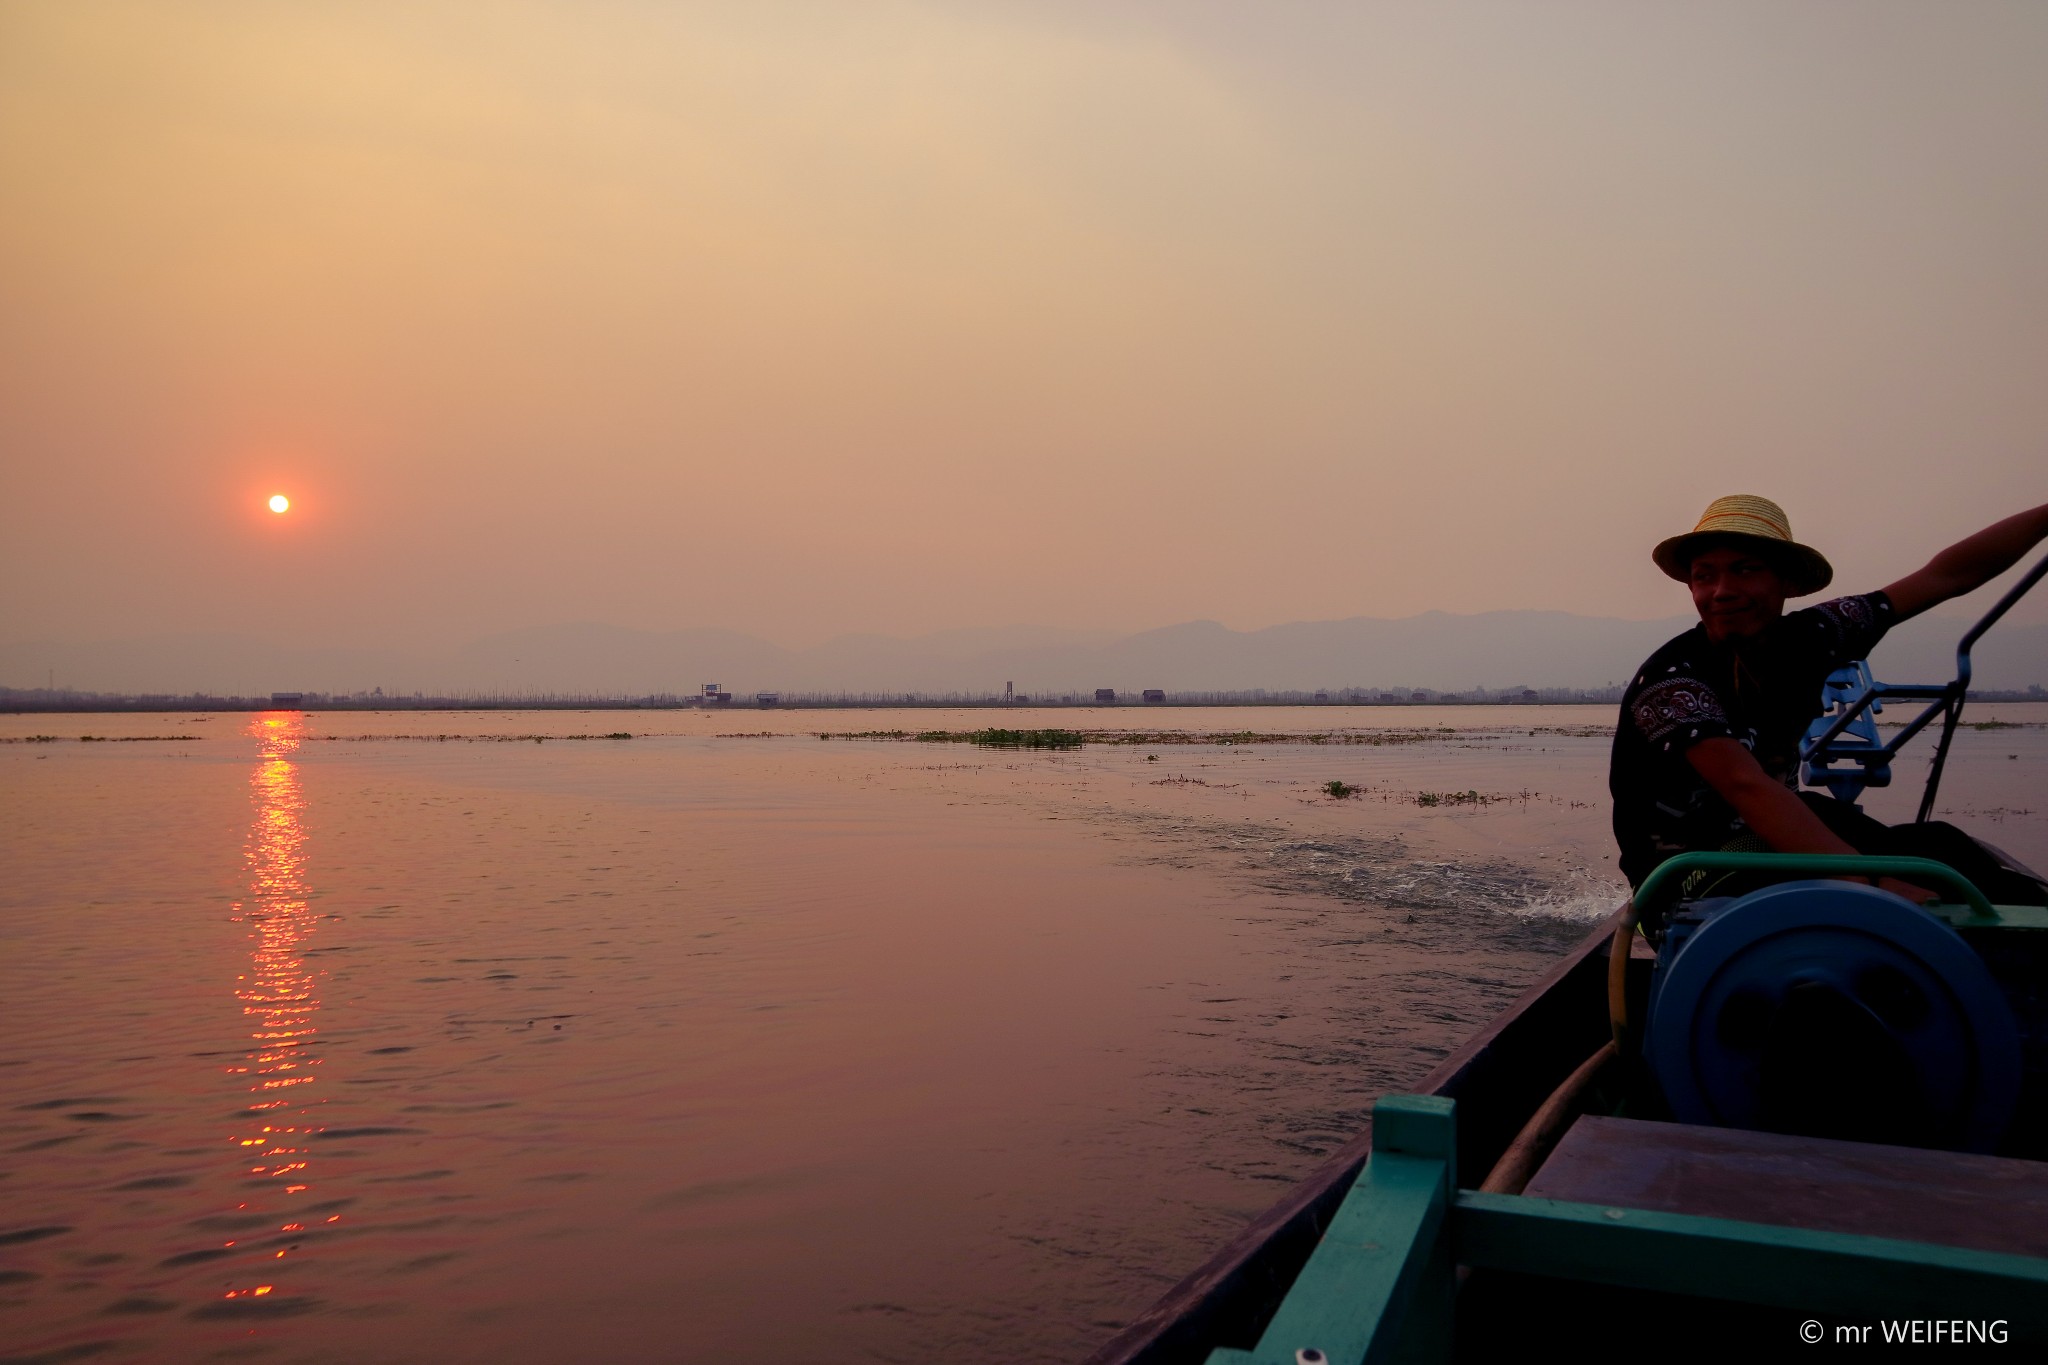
1584 903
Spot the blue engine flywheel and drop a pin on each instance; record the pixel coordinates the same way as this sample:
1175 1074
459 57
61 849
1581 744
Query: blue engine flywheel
1833 1010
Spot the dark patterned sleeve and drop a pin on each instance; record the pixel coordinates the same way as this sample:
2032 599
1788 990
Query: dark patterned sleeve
1676 712
1850 627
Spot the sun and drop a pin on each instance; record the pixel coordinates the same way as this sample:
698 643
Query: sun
280 503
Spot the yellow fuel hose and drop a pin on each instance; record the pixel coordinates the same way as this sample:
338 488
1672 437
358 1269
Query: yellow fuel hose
1617 978
1510 1175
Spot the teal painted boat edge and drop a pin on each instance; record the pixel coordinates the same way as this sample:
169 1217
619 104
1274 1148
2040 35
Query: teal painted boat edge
1801 1269
1361 1297
2001 916
1384 1259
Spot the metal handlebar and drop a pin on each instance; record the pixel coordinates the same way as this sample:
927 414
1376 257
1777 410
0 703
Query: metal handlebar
1962 683
2004 605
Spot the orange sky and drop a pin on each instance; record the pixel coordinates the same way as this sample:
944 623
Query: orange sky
809 318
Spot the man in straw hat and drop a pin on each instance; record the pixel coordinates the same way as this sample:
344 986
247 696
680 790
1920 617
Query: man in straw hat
1706 748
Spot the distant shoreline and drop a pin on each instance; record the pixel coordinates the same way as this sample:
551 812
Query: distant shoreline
24 703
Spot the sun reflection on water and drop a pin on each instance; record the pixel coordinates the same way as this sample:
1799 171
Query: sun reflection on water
279 992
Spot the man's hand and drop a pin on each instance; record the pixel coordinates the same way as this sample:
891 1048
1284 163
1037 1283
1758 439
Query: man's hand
1919 895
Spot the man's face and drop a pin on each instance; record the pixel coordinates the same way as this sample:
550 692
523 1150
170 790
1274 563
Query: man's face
1737 593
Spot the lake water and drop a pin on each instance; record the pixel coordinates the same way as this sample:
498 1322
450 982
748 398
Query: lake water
477 1036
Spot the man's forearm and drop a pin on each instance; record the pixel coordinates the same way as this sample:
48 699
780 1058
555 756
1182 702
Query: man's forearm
1993 550
1775 812
1970 563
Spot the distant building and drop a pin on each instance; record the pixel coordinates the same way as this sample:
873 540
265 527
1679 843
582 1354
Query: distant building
767 698
1322 696
287 698
1106 694
716 695
1418 696
1155 695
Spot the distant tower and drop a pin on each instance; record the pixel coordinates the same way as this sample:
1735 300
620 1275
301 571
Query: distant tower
1009 690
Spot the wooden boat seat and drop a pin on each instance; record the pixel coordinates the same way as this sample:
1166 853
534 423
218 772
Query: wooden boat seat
1948 1198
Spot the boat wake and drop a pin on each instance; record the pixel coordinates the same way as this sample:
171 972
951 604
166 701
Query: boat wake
1584 904
1386 870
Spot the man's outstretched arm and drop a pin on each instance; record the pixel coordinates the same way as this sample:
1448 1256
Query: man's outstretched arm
1968 564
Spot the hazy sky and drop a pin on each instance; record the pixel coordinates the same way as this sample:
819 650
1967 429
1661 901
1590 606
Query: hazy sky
810 318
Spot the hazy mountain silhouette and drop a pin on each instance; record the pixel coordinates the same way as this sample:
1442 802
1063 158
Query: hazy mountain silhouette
1436 650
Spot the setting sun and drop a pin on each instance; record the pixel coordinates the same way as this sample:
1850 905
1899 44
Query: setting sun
279 502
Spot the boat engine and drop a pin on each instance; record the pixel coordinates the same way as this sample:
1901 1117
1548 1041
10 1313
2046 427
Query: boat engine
1831 1009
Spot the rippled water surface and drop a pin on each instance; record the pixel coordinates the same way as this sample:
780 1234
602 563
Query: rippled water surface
483 1036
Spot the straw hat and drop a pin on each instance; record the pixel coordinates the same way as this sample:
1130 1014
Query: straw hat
1756 524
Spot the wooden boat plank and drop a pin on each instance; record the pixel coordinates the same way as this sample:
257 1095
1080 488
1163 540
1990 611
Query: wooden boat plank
1947 1198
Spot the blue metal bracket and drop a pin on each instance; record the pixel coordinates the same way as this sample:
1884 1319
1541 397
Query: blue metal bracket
1852 757
1846 732
1841 750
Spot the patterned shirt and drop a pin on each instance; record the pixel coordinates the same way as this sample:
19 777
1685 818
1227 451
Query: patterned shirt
1762 692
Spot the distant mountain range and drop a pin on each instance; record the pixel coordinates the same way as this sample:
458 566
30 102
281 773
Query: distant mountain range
1436 651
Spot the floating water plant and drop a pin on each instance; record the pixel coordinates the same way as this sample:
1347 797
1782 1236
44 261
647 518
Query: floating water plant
1339 790
100 739
1007 739
1476 798
1464 798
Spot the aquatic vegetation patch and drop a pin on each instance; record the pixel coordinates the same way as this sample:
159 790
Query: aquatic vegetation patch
1227 738
1339 790
1997 815
987 739
1007 739
449 739
100 739
1479 798
1074 739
